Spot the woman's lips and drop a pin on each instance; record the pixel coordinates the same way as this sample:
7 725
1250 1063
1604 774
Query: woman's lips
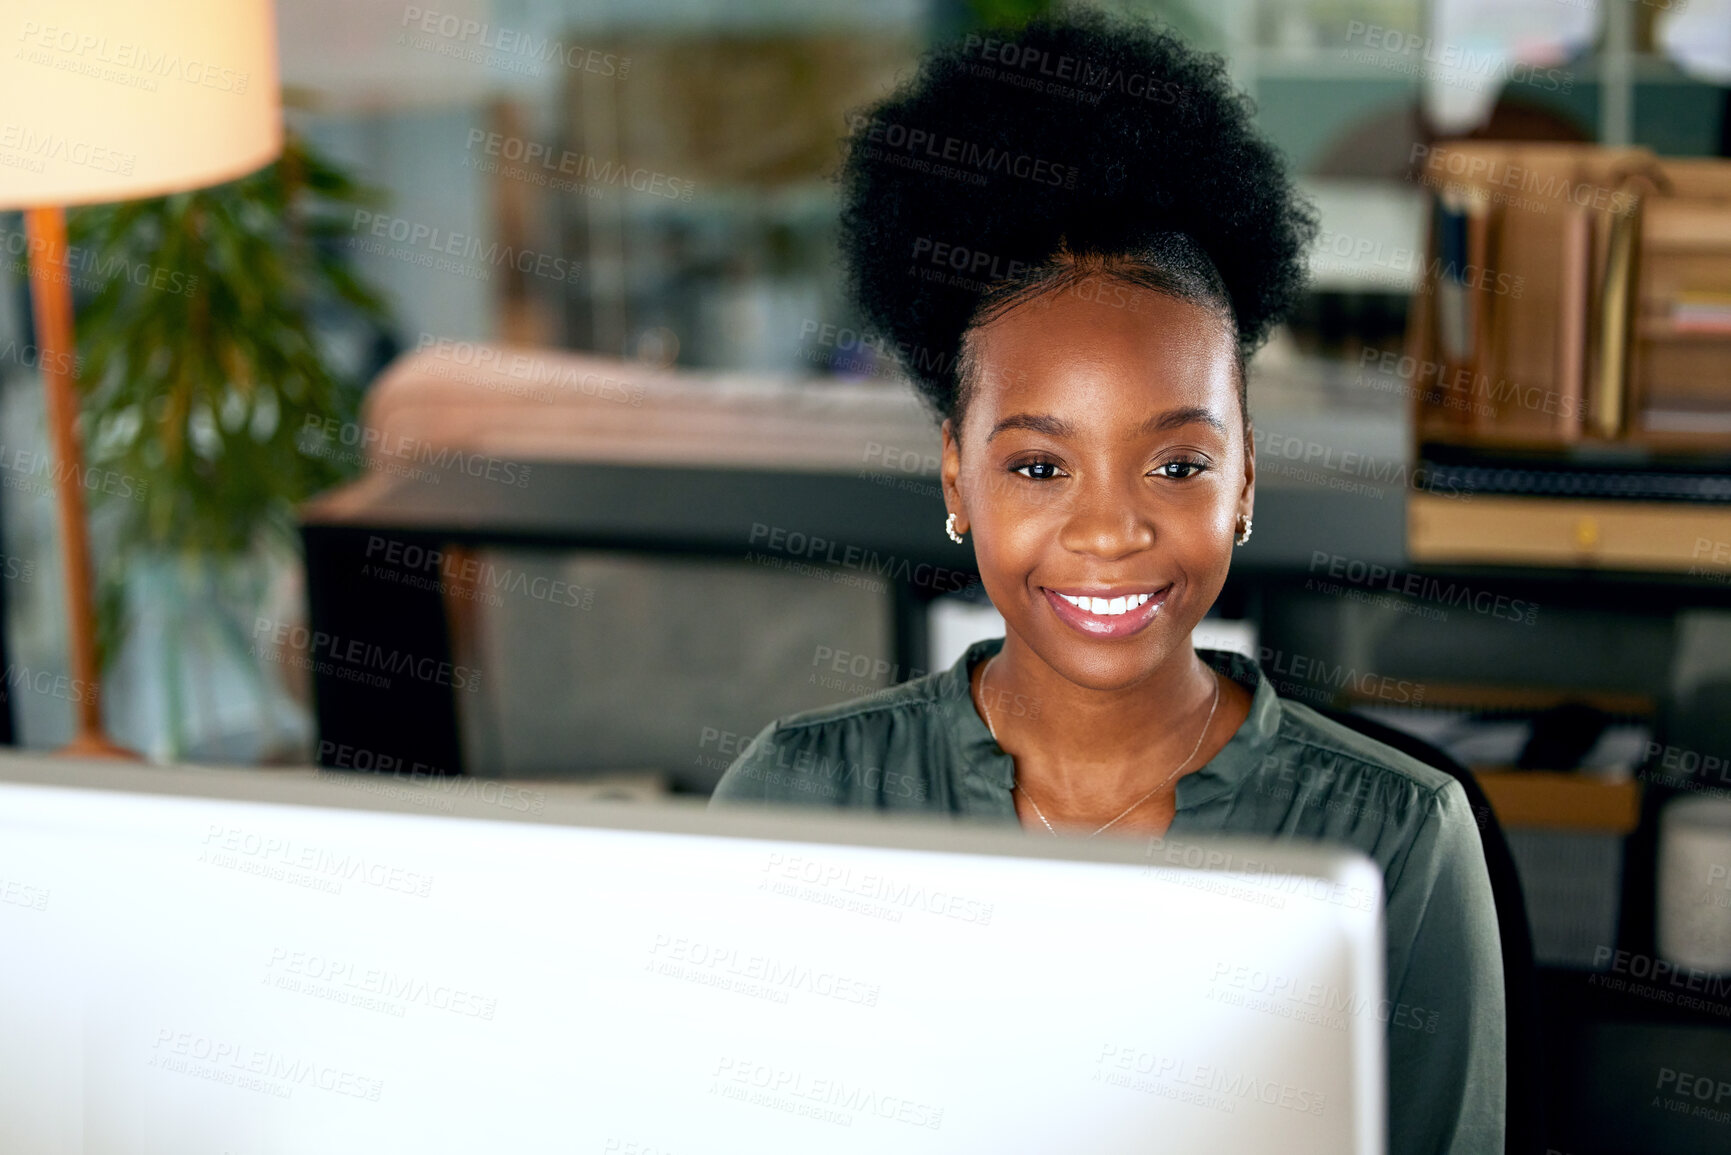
1106 625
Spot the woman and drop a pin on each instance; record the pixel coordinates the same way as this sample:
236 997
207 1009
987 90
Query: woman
1076 239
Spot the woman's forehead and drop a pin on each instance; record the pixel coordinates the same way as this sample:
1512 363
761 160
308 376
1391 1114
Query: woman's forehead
1107 345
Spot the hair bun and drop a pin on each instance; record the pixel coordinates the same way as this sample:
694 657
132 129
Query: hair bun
1081 129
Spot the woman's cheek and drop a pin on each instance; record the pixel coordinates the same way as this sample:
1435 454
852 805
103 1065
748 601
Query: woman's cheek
1010 545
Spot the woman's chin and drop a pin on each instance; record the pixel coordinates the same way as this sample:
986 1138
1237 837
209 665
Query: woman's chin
1105 665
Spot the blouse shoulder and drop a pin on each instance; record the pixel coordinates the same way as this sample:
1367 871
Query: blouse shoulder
868 751
1326 739
1332 781
913 696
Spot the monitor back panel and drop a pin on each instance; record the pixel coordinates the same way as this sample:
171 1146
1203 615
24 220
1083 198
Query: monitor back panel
193 975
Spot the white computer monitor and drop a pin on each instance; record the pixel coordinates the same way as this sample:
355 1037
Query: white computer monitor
222 962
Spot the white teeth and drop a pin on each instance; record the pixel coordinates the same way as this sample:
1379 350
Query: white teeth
1108 608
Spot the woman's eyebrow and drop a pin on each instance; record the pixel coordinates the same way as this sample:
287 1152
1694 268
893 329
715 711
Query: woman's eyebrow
1036 423
1184 415
1160 422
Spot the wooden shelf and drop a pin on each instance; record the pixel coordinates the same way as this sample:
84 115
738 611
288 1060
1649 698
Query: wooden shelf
1637 536
1551 800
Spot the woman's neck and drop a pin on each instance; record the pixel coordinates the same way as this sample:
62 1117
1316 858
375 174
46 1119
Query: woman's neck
1082 752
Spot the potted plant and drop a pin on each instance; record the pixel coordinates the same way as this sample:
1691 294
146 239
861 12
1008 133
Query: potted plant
207 347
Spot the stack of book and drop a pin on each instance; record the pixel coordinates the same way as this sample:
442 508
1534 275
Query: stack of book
1701 313
1690 337
1571 344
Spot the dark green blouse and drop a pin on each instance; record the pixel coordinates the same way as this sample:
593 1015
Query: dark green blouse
1287 772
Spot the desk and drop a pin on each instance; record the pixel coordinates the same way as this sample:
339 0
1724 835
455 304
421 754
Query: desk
712 512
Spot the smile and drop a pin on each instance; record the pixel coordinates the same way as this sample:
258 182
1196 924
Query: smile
1107 607
1106 613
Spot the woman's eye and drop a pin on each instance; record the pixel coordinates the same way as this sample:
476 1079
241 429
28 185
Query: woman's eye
1037 470
1184 467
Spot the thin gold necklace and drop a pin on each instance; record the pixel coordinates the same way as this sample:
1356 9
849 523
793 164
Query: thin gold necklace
992 730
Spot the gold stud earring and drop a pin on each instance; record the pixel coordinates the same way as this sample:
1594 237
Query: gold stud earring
950 528
1244 531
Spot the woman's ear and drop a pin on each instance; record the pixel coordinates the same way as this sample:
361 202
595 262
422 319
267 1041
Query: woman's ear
949 471
1247 496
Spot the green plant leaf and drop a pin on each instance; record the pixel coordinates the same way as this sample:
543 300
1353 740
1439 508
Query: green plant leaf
203 363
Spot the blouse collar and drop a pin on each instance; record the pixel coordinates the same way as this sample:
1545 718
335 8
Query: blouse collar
987 773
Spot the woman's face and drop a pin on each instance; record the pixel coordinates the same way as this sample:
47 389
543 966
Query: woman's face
1102 456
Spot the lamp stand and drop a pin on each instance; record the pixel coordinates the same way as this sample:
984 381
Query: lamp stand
51 297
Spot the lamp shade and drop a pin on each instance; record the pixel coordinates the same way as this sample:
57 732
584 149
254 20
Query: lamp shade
105 100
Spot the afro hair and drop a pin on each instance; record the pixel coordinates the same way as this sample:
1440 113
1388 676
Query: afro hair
1011 160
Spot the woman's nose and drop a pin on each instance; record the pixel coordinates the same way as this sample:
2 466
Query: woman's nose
1105 521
